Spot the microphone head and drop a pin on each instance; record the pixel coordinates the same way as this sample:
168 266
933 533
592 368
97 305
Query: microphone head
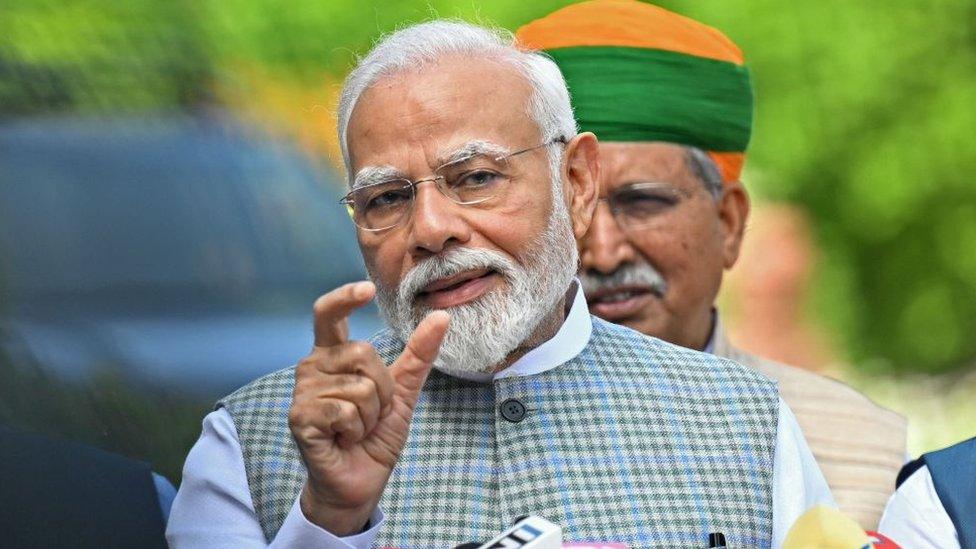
823 527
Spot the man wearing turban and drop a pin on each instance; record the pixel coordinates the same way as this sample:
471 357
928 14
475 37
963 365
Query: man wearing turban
670 100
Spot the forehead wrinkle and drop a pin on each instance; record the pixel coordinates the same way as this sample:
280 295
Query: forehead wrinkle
470 150
375 174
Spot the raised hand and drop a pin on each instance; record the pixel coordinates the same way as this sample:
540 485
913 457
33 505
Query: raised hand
350 414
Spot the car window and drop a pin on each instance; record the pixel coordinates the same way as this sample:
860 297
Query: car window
94 206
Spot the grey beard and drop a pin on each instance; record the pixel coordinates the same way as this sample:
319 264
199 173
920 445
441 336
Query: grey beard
640 273
483 332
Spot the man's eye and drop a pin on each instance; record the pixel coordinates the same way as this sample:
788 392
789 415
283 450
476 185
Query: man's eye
645 197
388 199
645 202
477 179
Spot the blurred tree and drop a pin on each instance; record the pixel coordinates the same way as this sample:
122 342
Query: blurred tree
864 117
98 56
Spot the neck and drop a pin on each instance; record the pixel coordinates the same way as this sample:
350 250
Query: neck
545 331
702 334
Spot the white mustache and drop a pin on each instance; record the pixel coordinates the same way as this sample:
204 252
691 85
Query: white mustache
628 274
450 263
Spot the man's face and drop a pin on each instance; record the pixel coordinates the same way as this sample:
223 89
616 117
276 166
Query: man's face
666 271
452 256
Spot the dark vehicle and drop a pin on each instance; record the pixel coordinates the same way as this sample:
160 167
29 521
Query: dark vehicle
174 254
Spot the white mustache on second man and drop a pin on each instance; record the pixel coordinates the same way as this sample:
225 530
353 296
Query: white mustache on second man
628 282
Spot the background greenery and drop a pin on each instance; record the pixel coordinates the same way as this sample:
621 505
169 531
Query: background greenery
864 118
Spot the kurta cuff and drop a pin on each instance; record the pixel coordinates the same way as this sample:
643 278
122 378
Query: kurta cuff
298 531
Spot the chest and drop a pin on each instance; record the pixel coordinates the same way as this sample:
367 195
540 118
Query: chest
626 460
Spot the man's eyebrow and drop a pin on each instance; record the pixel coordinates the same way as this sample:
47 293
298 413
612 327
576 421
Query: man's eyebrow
371 175
377 174
469 150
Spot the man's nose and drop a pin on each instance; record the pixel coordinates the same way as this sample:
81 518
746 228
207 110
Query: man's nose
435 222
605 246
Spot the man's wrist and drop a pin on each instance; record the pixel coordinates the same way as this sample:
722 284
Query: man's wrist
341 522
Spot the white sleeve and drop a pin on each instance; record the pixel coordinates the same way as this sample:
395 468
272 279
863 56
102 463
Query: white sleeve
213 507
798 483
915 516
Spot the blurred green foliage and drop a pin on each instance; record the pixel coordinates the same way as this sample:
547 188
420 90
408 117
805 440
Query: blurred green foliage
864 118
92 56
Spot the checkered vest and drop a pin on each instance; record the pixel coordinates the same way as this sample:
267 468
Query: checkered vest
635 441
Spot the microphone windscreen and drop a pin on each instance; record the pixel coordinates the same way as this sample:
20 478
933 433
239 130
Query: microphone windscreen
823 527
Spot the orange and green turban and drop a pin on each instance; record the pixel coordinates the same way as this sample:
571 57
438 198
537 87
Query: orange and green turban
637 72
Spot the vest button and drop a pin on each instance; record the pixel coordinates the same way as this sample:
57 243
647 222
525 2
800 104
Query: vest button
513 410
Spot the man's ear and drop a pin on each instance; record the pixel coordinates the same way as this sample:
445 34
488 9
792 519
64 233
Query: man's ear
733 212
581 180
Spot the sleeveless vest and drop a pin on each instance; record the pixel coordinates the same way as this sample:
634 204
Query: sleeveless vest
953 471
634 441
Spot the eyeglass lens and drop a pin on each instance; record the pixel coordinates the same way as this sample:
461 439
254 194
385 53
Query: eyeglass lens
641 204
473 181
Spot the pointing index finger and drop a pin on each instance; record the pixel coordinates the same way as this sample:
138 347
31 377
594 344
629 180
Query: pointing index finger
332 309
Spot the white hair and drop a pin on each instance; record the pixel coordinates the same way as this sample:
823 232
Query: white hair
424 43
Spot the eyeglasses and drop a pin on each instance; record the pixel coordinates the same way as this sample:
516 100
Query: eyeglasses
476 179
641 205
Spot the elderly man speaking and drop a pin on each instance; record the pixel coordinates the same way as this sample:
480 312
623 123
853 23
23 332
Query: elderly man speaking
671 102
469 184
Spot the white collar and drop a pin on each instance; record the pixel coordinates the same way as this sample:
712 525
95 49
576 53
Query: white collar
569 341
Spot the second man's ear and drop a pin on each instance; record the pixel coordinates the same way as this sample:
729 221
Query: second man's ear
581 180
733 213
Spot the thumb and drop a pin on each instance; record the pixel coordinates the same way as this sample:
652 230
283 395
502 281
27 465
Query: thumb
412 366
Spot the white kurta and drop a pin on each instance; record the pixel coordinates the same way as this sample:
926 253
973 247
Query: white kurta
915 516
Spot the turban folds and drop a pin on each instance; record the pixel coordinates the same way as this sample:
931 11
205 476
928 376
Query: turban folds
637 72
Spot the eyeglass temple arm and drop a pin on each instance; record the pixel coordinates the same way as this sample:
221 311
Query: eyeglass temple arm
559 139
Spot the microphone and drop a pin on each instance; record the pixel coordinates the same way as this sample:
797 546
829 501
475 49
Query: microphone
533 532
823 527
529 533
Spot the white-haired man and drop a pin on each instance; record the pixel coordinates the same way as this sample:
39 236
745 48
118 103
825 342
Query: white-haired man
469 184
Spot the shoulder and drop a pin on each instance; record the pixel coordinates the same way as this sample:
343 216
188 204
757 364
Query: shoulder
916 488
915 515
806 390
32 447
964 451
645 351
271 387
908 470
